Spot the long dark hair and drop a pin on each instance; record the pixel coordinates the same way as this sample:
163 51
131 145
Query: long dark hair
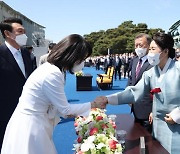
165 41
73 49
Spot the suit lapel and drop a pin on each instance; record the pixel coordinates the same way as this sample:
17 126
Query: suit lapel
134 68
27 62
10 58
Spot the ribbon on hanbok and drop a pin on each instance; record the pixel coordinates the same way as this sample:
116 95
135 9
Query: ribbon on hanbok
153 91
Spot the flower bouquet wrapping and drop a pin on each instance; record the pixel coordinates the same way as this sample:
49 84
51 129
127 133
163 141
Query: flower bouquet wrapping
96 134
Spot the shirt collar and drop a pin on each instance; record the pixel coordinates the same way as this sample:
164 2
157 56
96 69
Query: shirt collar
165 67
144 58
11 48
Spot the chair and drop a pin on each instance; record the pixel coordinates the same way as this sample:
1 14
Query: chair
105 81
107 74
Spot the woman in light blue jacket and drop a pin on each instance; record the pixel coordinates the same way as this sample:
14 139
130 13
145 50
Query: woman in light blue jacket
164 81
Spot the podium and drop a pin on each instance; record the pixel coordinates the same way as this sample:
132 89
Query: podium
134 132
84 82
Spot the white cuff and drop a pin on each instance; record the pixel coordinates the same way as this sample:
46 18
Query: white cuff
112 99
175 115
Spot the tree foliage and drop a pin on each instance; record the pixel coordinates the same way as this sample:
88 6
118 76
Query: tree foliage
118 40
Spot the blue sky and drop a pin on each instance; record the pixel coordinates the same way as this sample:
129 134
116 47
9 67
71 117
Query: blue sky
64 17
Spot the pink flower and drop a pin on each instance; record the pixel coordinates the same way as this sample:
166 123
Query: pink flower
114 125
75 124
80 152
112 144
93 131
79 140
98 118
104 126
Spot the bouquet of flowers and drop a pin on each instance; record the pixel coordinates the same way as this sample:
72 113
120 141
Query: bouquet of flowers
96 134
80 73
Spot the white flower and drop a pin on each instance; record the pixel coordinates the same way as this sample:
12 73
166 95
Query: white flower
100 145
117 152
99 141
85 147
91 139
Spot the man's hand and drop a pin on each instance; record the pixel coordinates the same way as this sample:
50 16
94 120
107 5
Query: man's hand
99 102
168 119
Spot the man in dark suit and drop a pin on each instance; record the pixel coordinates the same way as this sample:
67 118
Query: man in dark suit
117 65
33 57
140 64
15 67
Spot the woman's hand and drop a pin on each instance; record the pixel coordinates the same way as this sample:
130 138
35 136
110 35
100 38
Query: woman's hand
99 102
150 118
168 119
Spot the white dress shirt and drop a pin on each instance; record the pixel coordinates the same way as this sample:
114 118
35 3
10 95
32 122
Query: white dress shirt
18 57
143 61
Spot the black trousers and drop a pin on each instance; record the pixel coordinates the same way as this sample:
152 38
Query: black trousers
3 125
117 71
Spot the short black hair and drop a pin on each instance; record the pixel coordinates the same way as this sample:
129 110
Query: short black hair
7 24
73 49
11 20
165 41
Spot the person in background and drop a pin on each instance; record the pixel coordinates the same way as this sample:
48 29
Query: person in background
140 64
15 67
177 57
117 65
33 57
133 55
43 100
43 58
163 81
126 61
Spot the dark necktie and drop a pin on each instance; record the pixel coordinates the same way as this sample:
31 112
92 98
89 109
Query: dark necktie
138 67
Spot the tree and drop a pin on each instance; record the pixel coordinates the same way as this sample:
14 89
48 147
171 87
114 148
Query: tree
119 40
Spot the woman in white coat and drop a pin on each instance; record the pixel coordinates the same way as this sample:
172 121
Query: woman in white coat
163 80
43 100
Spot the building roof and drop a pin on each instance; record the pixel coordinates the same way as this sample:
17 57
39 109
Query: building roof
18 13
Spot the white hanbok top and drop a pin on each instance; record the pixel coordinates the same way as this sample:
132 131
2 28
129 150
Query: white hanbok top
30 128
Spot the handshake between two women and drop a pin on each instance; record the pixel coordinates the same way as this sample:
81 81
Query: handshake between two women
99 102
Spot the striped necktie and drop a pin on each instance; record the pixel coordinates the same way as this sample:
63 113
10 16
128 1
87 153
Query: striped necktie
138 67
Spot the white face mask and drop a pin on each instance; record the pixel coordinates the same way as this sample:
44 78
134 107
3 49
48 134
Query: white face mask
141 52
77 68
21 39
153 58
